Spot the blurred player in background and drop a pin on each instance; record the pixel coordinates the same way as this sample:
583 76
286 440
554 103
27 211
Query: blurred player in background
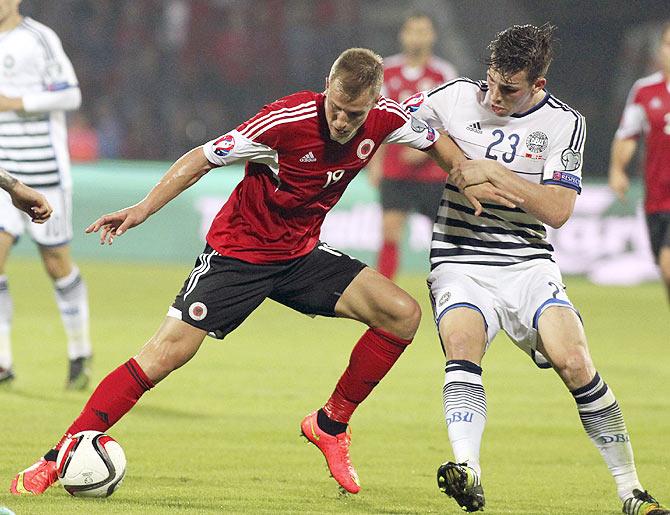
301 152
408 180
647 113
497 271
37 86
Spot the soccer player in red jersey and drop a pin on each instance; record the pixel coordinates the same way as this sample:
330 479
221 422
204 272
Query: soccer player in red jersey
408 180
301 152
648 112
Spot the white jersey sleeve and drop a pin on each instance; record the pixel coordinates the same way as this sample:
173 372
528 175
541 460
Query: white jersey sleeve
634 119
415 134
60 89
420 107
233 147
563 166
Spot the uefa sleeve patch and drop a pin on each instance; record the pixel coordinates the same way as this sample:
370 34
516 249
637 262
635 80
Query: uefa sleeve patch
567 179
420 126
224 145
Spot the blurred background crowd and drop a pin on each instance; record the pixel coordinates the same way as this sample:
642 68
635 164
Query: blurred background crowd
161 76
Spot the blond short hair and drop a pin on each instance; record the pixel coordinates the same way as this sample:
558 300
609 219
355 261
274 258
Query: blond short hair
358 70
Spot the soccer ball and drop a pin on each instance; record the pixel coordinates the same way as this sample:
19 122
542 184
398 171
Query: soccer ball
91 464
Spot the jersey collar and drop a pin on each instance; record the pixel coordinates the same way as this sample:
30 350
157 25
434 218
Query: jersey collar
534 108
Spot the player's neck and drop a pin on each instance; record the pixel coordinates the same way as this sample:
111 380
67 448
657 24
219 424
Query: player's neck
10 22
417 60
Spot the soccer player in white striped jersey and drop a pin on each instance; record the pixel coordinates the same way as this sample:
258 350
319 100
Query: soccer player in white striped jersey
37 86
496 271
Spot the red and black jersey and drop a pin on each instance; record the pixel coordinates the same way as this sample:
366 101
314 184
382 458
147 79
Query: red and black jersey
295 173
401 81
648 112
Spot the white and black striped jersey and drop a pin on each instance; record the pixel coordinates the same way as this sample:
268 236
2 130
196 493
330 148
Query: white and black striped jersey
543 145
33 142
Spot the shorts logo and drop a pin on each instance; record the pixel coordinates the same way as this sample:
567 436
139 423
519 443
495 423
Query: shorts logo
537 142
365 148
197 311
571 160
567 178
444 299
413 103
224 145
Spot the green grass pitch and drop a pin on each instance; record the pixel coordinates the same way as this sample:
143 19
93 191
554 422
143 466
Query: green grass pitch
221 434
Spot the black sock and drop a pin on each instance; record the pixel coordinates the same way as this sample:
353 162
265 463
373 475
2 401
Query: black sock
328 425
51 455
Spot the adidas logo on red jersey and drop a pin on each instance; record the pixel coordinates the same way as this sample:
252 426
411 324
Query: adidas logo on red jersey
308 158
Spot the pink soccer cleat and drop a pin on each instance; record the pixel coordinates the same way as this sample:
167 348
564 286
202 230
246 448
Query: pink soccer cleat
336 451
35 479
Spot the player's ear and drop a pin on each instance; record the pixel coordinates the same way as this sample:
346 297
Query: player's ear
539 84
327 82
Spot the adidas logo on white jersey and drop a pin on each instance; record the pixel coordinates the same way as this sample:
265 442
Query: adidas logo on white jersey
474 127
308 158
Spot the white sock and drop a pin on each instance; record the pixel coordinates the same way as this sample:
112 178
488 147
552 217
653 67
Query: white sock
465 410
6 310
72 300
603 422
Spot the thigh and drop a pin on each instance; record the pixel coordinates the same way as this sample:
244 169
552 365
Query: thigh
314 283
658 225
453 287
220 293
430 196
12 220
57 230
526 291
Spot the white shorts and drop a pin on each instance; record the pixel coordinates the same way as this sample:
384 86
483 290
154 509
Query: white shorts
510 298
54 232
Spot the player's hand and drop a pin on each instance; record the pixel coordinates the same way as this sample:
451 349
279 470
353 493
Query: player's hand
487 191
31 202
10 103
474 171
115 224
619 183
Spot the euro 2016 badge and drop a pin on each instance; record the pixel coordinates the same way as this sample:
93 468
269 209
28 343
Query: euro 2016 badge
224 145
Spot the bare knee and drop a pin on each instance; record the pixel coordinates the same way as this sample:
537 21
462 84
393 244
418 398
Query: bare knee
168 349
401 316
463 344
575 366
57 261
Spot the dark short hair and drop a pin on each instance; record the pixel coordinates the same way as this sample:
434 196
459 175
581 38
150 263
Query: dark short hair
358 70
418 15
522 47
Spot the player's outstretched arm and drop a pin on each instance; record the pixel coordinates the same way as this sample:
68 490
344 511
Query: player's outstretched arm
620 156
25 198
185 172
551 204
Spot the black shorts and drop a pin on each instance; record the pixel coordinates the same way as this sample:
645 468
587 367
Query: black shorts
221 292
659 232
411 196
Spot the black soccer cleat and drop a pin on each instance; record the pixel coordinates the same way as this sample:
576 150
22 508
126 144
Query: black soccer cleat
79 374
459 481
643 504
6 376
